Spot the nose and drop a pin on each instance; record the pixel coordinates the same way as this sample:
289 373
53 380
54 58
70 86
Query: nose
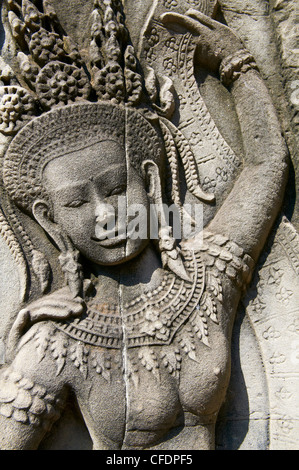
104 213
105 226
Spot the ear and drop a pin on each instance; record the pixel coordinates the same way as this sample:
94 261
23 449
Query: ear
152 177
41 213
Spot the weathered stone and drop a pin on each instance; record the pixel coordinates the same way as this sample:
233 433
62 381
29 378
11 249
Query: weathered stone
110 113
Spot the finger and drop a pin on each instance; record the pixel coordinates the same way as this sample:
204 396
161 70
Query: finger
65 294
205 20
75 306
64 291
87 286
177 19
63 298
52 312
62 304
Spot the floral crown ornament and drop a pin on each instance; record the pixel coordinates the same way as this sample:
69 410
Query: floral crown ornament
48 61
51 70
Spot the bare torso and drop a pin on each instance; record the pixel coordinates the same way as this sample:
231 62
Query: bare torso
147 369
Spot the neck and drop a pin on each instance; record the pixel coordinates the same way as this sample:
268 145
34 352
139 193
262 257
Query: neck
145 269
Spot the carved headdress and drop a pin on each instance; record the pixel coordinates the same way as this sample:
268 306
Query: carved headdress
56 102
53 75
74 104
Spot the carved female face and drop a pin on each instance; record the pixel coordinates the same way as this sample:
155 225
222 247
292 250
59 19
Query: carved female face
87 189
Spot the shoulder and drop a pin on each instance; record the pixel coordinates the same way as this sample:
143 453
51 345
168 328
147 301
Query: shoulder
223 256
40 355
30 390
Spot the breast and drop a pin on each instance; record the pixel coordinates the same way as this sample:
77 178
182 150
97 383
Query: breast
204 379
131 402
166 384
102 398
136 398
153 404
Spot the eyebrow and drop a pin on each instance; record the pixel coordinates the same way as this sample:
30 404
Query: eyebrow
82 184
64 190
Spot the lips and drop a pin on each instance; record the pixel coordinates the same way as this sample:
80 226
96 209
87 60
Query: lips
109 238
110 242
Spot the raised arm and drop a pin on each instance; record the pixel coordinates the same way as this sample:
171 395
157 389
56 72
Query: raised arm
249 211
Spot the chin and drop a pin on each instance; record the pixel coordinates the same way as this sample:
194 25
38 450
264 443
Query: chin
117 255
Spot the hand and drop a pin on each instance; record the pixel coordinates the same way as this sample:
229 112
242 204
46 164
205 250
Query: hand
59 305
215 40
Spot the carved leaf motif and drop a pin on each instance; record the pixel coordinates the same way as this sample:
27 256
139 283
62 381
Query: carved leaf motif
188 344
149 360
132 371
214 285
79 355
208 305
41 340
58 348
199 324
172 361
102 366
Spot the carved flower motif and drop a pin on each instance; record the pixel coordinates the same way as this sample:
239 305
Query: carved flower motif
284 295
275 276
221 174
286 425
170 3
150 54
153 326
172 44
195 138
60 83
208 183
15 106
277 358
169 65
294 327
151 41
258 306
45 46
193 3
283 394
109 83
271 333
153 38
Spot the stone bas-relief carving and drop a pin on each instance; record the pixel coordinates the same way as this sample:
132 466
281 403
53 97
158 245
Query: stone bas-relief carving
138 338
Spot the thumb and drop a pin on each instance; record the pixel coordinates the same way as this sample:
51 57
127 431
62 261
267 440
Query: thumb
191 24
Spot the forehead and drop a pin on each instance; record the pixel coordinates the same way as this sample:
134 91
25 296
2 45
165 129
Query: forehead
86 163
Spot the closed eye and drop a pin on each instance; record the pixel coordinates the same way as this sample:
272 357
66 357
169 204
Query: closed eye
119 190
76 203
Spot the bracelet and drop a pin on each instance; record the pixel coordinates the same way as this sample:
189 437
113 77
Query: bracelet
234 65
